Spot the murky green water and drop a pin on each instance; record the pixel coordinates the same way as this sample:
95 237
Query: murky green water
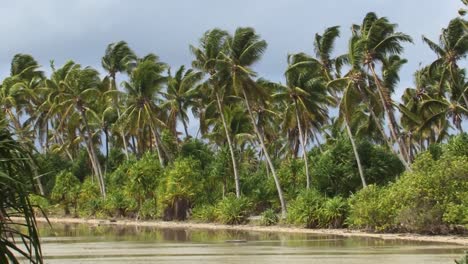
116 244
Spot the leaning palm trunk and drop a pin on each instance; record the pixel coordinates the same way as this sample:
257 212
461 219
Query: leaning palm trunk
93 156
267 156
116 105
304 152
388 141
356 154
158 147
231 149
392 125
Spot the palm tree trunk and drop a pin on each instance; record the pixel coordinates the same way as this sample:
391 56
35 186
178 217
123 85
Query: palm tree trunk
112 86
356 154
106 133
304 152
392 124
267 156
387 140
185 128
156 144
36 175
231 149
92 152
124 140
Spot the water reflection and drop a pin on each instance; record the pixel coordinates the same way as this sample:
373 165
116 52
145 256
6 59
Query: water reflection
68 243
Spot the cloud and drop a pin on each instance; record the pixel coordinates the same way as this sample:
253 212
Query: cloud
80 30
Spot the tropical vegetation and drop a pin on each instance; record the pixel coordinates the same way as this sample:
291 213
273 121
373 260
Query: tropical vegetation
330 147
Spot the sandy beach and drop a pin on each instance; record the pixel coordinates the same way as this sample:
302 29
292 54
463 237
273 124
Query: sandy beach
459 240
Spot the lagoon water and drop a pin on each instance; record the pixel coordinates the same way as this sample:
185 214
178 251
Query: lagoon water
79 243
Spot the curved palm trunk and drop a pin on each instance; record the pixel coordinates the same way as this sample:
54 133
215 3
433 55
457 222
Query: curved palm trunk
267 156
304 152
92 153
231 149
388 141
392 124
356 154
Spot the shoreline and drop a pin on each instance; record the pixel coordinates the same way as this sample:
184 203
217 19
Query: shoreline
450 239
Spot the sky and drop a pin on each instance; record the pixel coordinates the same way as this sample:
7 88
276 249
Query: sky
80 30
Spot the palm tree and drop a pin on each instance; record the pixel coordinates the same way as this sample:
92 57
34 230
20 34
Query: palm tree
73 93
207 56
308 94
378 40
117 59
351 84
142 110
19 97
245 49
180 95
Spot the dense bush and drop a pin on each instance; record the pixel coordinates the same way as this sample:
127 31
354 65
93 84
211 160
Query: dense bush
180 188
292 177
428 199
49 165
305 209
232 210
89 199
204 213
335 172
40 204
312 209
66 191
269 217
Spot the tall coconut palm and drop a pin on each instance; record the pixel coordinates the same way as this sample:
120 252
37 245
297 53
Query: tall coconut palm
207 56
245 49
142 109
452 47
117 59
73 93
180 95
351 85
308 94
379 40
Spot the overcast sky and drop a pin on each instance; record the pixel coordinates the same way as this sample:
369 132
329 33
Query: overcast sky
81 29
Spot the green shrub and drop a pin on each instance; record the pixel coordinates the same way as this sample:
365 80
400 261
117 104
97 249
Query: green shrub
49 165
333 213
428 199
89 199
232 210
292 176
179 189
118 204
369 209
204 213
305 209
40 204
269 217
143 178
334 171
66 191
148 209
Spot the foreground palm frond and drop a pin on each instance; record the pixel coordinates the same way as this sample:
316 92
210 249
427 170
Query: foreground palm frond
17 239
